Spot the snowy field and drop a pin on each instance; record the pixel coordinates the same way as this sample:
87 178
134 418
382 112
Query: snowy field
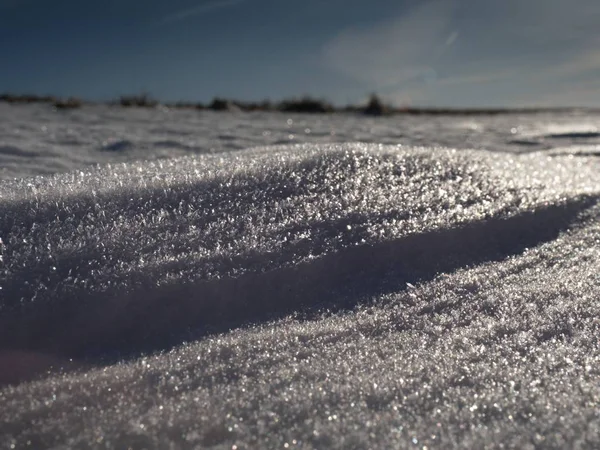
184 279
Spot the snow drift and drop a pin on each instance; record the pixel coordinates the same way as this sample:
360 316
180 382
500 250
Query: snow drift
328 296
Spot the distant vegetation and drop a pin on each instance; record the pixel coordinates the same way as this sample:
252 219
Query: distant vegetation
375 106
306 105
69 103
11 98
140 101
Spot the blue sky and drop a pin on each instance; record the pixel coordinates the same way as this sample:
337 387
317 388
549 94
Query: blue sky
462 53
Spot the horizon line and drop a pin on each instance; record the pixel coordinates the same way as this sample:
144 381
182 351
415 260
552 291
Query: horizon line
145 100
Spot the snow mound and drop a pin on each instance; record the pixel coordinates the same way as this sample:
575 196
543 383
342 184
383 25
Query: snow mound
136 254
340 296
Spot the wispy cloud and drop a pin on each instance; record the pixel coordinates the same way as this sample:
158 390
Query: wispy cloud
396 51
478 77
200 10
467 51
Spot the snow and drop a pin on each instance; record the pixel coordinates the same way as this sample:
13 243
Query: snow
37 140
317 295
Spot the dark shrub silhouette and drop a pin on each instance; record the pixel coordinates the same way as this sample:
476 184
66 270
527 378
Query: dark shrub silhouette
141 101
376 107
221 104
12 98
69 103
305 105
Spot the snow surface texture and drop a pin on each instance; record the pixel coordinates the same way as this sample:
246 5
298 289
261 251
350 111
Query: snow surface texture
37 140
310 296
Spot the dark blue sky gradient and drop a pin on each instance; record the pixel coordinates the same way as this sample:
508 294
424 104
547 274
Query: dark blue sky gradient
433 53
